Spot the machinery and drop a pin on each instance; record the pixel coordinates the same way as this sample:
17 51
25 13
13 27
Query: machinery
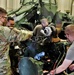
27 19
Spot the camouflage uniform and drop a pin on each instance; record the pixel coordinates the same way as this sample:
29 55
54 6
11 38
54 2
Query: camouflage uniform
6 36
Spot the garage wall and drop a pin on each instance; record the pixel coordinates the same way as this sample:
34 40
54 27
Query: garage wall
10 5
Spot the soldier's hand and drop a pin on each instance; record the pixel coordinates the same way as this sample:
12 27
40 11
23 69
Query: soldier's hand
52 72
71 67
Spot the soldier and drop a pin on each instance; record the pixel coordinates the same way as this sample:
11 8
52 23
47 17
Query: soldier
69 32
37 29
10 22
7 36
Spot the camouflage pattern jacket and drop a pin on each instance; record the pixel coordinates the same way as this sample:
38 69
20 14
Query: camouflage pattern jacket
6 37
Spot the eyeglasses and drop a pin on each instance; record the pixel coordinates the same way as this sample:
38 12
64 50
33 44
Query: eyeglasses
5 17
